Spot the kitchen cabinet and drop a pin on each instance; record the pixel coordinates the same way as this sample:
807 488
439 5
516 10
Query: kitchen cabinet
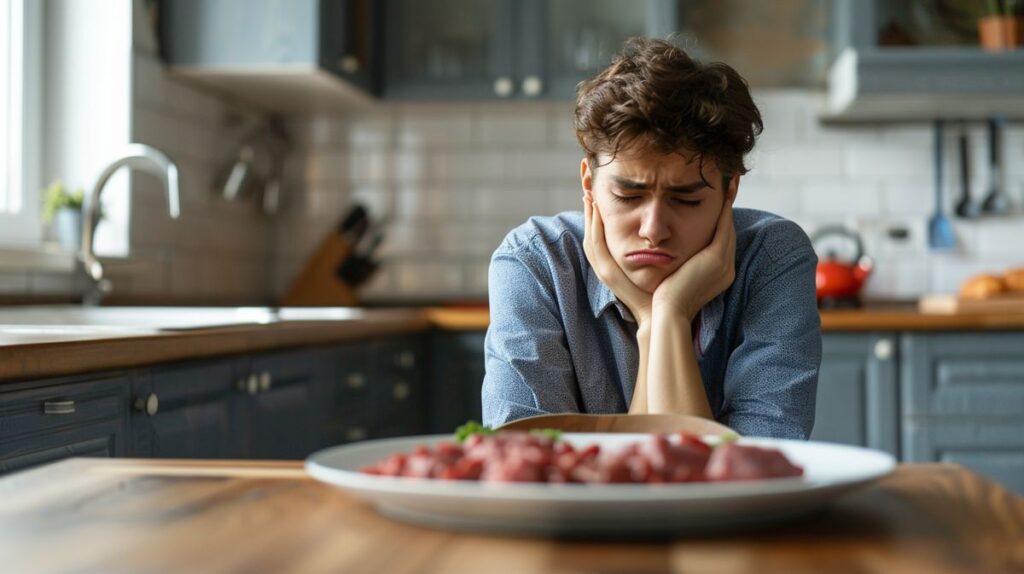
185 411
504 49
46 424
274 406
858 391
286 56
400 387
457 373
899 61
963 402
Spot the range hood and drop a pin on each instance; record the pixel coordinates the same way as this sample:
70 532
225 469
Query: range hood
921 84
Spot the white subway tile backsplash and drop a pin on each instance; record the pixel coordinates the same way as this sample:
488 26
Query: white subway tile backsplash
803 161
499 127
886 159
368 166
461 166
435 126
780 196
828 198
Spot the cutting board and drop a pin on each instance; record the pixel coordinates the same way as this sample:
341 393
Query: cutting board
954 305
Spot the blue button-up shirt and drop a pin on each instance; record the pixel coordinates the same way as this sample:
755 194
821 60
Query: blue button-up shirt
559 340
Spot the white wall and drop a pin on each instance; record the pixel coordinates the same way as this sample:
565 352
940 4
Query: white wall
457 177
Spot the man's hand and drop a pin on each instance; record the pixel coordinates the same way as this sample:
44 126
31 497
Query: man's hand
705 275
608 271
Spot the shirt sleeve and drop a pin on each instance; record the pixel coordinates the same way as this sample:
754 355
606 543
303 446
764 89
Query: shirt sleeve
771 378
529 369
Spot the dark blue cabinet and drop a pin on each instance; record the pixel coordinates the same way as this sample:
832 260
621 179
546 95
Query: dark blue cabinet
963 402
185 411
457 373
46 424
505 49
858 392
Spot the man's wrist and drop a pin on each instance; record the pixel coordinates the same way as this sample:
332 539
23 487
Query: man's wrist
678 310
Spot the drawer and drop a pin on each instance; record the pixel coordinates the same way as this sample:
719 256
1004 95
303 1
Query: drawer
48 409
963 374
993 447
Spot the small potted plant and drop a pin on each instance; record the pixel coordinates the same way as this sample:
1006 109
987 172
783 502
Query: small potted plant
1000 28
63 210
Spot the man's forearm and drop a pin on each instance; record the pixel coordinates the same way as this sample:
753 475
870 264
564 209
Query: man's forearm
638 404
673 382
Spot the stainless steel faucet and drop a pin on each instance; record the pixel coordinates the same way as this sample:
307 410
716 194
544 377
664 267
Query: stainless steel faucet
137 156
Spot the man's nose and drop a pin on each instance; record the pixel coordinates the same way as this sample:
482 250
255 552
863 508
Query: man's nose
654 223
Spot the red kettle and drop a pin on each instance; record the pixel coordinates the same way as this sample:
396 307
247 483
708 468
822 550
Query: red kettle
838 282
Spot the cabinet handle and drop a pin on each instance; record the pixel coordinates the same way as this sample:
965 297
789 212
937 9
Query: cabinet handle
401 391
265 381
356 381
58 407
249 385
533 86
355 433
349 64
407 359
503 86
883 349
148 404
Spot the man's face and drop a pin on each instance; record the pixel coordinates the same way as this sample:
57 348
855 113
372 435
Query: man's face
657 210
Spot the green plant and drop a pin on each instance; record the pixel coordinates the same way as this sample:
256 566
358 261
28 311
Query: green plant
1004 7
58 197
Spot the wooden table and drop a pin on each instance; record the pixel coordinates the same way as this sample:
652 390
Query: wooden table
98 515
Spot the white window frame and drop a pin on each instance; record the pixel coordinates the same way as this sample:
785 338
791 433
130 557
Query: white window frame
21 125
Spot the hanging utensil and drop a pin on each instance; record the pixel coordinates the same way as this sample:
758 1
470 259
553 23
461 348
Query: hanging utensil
941 234
995 202
965 207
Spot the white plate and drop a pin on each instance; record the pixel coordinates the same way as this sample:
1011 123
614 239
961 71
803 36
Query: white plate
621 510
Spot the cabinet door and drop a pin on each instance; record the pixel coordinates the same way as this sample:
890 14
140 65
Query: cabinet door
563 42
963 402
449 49
280 418
350 42
44 425
346 401
399 387
457 373
857 391
193 414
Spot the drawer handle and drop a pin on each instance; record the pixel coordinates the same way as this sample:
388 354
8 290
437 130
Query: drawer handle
249 385
401 391
356 381
266 381
355 434
407 359
150 404
883 349
58 407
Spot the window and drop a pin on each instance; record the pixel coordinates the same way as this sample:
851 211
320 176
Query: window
20 108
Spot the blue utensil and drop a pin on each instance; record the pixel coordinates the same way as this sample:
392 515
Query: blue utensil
941 234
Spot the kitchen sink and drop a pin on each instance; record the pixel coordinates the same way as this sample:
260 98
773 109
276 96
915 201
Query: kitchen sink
73 318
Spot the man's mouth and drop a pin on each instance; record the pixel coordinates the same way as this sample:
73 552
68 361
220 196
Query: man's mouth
649 257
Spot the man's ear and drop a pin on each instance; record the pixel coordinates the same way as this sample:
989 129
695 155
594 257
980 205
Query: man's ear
587 178
734 187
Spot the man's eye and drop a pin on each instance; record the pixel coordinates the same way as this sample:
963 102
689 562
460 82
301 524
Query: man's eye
688 202
625 198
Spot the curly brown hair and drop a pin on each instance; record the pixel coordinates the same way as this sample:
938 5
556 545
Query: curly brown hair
653 96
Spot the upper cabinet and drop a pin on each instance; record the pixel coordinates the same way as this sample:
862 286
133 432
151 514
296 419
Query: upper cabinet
504 49
295 55
920 60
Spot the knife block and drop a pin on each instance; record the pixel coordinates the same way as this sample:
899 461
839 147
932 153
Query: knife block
318 285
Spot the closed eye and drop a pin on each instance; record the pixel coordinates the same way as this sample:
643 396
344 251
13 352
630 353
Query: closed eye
687 202
626 198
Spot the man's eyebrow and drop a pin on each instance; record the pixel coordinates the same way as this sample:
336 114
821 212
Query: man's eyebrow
627 183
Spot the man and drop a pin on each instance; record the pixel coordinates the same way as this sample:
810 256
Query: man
659 297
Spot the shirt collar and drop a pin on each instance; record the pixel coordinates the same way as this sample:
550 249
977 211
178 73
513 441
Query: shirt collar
601 297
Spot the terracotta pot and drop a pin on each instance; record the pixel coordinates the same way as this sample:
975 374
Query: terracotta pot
1000 33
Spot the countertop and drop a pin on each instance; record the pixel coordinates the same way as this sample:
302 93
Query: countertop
35 357
125 515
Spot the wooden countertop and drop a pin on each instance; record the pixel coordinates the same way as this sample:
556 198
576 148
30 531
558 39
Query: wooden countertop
68 357
60 356
880 318
105 515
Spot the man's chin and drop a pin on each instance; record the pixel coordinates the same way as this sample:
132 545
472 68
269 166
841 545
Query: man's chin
647 280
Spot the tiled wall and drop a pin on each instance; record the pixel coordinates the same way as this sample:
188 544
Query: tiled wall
455 178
